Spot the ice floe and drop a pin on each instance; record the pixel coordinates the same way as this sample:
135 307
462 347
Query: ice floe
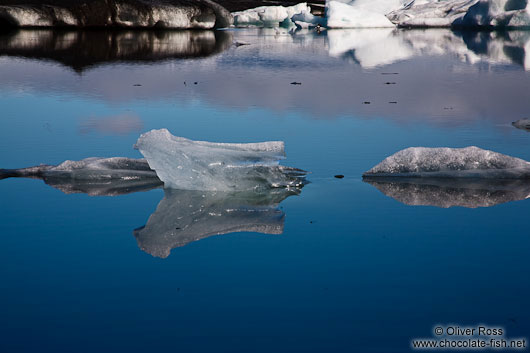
93 176
199 165
443 162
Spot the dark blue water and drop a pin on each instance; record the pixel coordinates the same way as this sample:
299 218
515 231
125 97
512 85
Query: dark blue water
353 270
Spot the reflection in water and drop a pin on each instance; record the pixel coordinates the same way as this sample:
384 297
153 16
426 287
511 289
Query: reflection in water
121 124
184 216
83 49
452 192
372 48
113 187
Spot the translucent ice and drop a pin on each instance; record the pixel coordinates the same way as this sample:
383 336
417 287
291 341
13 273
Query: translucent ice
184 216
443 192
198 165
469 162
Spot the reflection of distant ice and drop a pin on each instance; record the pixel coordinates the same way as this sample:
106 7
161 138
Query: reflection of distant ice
378 47
450 192
185 216
112 125
369 47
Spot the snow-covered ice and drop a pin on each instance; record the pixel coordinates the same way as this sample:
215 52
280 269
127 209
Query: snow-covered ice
471 13
94 176
443 162
271 16
360 13
199 165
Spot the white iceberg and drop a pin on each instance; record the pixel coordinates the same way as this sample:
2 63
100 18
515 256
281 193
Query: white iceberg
468 13
269 16
199 165
469 162
360 13
430 13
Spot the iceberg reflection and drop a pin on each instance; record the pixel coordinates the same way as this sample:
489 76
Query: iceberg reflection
372 48
184 216
83 49
446 192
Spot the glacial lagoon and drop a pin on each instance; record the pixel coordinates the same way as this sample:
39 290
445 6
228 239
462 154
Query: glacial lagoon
339 265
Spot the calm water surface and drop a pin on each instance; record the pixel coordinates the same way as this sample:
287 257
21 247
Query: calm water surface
342 266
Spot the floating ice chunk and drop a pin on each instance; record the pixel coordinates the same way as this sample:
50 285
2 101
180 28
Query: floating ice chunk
184 216
268 16
470 193
360 13
469 162
93 176
523 124
198 165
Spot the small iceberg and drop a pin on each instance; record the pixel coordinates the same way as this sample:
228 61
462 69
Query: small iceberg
199 165
445 193
184 216
272 16
523 124
469 162
93 176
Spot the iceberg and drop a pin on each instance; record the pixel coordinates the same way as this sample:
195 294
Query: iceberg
184 216
430 13
199 165
445 193
178 14
469 162
93 176
462 13
271 16
523 124
360 13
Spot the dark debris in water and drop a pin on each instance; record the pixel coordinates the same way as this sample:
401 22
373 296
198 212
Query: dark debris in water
339 176
296 83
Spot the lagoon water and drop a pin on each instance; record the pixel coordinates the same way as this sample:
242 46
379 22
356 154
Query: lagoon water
342 265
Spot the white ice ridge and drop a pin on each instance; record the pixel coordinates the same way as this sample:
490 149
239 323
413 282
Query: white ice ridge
274 16
471 13
199 165
360 13
443 162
